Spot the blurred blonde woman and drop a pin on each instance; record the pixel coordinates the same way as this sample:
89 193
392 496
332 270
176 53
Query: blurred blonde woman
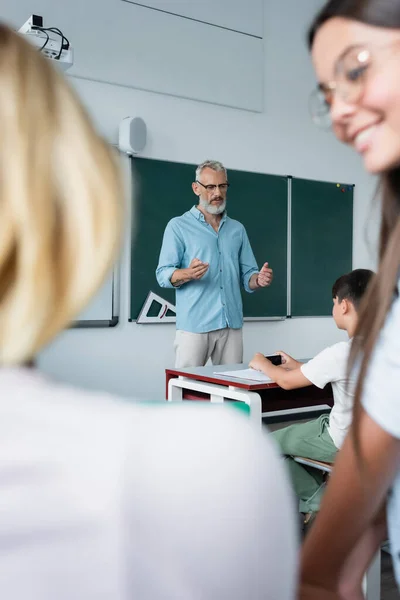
101 498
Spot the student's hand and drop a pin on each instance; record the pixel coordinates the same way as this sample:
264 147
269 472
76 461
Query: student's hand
287 361
258 361
197 269
265 276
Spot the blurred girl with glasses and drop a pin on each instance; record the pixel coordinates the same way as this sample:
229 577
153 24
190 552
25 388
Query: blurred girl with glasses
355 48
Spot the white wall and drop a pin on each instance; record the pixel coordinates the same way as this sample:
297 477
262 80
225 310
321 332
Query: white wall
130 359
236 15
134 46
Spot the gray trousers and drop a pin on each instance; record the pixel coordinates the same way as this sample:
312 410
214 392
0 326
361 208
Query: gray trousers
223 346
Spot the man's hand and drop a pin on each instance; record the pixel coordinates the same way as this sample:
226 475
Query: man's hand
196 270
265 276
261 279
258 361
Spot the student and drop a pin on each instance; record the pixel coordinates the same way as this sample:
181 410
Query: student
321 438
103 499
355 49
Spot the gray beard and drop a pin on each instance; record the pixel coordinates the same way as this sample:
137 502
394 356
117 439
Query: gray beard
212 210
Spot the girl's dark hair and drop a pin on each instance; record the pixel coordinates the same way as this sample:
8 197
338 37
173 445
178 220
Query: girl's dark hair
378 13
383 287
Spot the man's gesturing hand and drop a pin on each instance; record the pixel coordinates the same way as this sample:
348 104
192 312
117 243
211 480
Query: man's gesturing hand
197 269
265 276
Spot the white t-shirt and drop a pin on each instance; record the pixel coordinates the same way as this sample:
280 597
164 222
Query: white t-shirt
381 400
330 366
103 499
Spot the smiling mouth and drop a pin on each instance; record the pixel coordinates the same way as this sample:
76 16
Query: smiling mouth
363 139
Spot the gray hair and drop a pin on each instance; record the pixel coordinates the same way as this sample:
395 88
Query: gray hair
210 164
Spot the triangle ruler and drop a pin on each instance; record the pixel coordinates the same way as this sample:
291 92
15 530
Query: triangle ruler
156 310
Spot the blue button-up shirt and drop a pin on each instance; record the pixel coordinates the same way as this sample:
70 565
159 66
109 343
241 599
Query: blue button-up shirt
214 301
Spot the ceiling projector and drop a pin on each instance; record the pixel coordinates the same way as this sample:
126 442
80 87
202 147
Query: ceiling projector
50 41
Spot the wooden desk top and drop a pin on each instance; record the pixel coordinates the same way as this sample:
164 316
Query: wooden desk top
208 374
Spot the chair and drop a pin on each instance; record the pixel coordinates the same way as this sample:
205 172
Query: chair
320 465
372 579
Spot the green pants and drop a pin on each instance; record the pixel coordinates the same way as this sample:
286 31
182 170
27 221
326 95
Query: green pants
310 440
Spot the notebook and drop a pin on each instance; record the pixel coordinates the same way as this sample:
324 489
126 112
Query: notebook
250 374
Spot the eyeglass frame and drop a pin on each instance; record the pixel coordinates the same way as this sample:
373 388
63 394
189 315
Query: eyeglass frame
211 187
335 86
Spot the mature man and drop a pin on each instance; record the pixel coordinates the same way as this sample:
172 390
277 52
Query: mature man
205 255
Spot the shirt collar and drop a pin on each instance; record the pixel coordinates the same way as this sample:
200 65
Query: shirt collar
197 213
200 217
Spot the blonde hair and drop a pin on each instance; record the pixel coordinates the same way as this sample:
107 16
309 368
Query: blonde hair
60 202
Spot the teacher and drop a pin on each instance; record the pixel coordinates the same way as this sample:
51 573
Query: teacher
206 256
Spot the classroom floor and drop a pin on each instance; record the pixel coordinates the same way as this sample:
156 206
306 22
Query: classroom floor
389 589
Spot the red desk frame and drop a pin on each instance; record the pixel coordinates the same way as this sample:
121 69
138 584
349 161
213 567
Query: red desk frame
273 398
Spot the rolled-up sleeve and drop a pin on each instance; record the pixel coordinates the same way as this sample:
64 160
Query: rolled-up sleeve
171 254
247 261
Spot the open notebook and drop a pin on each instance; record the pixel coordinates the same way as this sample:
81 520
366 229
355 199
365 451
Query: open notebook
250 374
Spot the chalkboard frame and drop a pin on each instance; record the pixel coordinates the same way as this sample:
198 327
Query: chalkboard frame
114 304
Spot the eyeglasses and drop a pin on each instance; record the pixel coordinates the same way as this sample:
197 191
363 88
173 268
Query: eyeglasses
350 76
351 72
211 188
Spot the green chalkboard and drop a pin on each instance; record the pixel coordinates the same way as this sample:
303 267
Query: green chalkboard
321 243
162 190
